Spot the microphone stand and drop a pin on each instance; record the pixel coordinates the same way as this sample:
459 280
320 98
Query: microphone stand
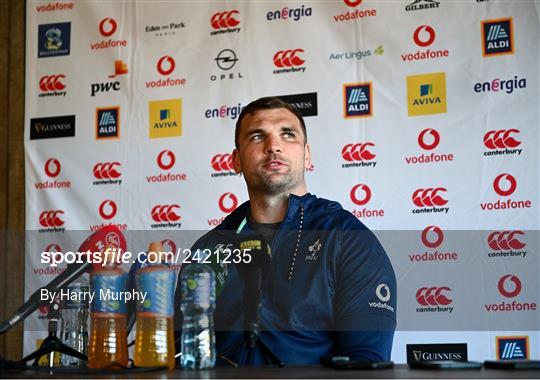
252 313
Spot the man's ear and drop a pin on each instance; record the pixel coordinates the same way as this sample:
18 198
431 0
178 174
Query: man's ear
236 161
307 156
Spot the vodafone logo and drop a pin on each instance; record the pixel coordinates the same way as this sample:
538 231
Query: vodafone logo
51 218
165 213
166 159
52 83
501 240
501 139
383 292
288 58
168 245
107 209
432 236
52 167
352 3
106 170
504 184
429 197
429 139
224 20
166 65
53 248
107 27
222 162
433 296
509 286
424 36
357 152
360 194
228 202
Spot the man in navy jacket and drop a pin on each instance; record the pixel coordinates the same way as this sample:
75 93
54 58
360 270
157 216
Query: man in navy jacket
330 288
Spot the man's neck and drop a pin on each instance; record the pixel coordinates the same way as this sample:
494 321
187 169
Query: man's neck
270 208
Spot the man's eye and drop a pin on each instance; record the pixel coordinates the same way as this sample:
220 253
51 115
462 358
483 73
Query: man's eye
256 138
289 134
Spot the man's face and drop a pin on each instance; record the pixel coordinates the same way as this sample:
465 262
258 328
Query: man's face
271 152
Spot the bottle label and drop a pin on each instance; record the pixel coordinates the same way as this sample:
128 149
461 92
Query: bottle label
198 288
158 284
108 289
77 297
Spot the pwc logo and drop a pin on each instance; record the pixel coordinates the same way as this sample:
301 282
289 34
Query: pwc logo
51 219
505 184
429 197
509 285
358 154
228 202
360 194
225 22
107 209
429 139
166 216
52 85
432 236
106 173
424 36
289 61
506 244
502 142
107 27
52 167
434 299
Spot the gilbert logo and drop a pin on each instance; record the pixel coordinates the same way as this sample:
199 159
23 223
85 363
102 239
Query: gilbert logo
289 61
166 216
106 173
424 36
502 142
497 37
165 118
426 94
512 347
52 167
107 27
432 236
52 85
358 155
228 202
382 292
357 100
427 200
364 197
107 123
510 286
418 5
51 221
225 22
107 209
505 184
166 160
506 244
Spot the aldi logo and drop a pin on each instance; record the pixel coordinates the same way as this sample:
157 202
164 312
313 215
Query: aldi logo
357 100
497 37
108 123
165 118
426 94
512 347
54 39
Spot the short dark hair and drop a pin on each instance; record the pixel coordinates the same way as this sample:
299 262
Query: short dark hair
267 103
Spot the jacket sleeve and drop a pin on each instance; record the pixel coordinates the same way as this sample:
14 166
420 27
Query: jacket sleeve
365 298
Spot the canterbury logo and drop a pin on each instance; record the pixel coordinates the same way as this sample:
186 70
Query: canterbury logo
52 83
429 197
165 213
51 218
433 296
427 236
288 58
360 201
106 170
166 65
500 240
107 209
424 40
426 142
222 162
224 20
107 27
501 139
52 167
166 159
231 200
357 152
507 290
510 188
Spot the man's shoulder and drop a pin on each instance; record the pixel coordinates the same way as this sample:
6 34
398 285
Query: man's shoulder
331 212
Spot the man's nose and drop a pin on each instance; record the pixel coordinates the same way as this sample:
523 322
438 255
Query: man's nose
273 144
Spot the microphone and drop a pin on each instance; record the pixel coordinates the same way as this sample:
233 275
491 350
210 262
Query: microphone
108 236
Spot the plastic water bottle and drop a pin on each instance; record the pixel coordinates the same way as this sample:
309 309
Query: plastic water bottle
154 342
74 332
198 303
108 335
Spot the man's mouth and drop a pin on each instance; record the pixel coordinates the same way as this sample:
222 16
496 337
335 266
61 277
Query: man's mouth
274 165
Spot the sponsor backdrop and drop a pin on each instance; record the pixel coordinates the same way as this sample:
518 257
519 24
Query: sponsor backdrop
423 118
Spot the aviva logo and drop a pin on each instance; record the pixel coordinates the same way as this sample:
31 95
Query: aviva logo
426 94
165 118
